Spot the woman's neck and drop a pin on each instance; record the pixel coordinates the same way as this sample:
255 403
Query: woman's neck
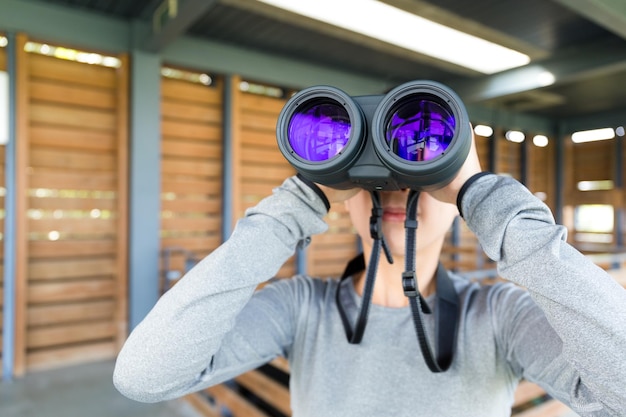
388 289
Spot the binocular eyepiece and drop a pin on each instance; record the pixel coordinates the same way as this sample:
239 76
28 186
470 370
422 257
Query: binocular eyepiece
416 136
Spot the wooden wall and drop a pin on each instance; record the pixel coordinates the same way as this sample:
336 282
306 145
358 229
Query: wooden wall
191 172
72 227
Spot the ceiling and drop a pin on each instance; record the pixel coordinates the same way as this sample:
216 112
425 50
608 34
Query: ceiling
582 43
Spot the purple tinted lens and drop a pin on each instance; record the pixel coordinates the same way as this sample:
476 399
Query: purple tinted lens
319 131
419 129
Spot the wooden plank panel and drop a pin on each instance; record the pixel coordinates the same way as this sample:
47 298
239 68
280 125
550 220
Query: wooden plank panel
267 389
191 112
206 223
65 334
70 160
44 67
271 157
195 244
66 248
73 117
274 174
72 138
259 103
192 168
257 121
69 313
70 94
191 188
235 403
77 226
47 270
42 177
3 59
258 139
172 89
77 204
70 291
174 129
206 150
182 206
40 360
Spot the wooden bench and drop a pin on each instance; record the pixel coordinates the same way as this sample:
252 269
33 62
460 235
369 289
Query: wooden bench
264 392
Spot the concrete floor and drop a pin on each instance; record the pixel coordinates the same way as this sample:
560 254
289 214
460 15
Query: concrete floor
78 391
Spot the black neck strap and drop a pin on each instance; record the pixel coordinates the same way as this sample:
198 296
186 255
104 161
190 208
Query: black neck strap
447 304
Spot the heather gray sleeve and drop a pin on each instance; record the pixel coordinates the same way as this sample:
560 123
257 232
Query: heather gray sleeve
172 351
584 306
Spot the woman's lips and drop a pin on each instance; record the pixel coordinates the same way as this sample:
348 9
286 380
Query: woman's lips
394 215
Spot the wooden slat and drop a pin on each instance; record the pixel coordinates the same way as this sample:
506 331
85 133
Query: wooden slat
44 67
172 89
76 226
551 408
195 244
192 206
64 356
192 223
210 187
237 405
257 121
72 117
72 138
526 391
70 291
259 139
174 129
257 155
267 389
71 94
78 204
191 112
273 174
70 312
192 168
43 337
194 149
66 248
56 179
259 103
70 160
71 268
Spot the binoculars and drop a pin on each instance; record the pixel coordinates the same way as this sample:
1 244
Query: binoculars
417 136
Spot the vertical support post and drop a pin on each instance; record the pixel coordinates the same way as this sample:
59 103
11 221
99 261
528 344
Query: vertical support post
8 326
619 203
235 151
228 162
121 309
559 173
145 184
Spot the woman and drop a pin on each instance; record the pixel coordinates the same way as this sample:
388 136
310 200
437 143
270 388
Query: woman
566 330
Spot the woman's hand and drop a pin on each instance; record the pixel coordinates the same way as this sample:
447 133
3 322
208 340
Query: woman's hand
448 194
338 196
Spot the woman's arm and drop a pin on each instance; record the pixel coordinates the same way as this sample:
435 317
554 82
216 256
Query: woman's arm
582 303
172 351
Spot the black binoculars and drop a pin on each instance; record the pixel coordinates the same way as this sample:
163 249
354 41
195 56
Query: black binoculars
417 136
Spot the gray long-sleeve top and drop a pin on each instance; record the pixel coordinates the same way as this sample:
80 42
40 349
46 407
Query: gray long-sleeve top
566 330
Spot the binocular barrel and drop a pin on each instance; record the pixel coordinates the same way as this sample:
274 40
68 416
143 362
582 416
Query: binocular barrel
416 136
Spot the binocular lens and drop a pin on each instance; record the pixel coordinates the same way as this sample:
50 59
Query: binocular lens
319 130
419 129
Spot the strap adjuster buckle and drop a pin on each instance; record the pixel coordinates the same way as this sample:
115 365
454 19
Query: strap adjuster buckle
409 283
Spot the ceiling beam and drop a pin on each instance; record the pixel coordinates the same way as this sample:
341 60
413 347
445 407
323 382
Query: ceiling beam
187 13
609 14
575 64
